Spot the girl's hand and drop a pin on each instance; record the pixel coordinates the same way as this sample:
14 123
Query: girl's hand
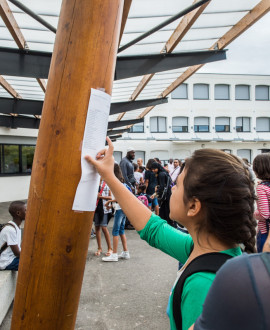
104 162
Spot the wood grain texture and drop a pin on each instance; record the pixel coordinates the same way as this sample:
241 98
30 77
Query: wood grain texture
56 239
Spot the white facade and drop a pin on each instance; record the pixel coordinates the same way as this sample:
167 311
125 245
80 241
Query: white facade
181 144
254 140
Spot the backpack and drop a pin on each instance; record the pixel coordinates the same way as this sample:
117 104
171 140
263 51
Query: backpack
2 226
143 199
209 262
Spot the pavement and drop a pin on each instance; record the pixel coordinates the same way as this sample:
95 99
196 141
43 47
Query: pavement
123 295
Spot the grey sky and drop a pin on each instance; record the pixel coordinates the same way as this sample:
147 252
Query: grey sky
249 53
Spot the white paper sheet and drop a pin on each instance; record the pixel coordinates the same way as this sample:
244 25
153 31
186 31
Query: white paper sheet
93 141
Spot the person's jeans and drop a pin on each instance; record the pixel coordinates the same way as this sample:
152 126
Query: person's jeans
119 223
261 238
14 265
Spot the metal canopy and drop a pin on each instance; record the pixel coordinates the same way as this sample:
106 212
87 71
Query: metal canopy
29 122
33 107
114 124
35 64
117 131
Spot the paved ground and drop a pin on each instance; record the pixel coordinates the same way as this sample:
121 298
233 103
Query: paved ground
129 294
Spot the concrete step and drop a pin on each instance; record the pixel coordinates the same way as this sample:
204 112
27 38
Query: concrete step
8 280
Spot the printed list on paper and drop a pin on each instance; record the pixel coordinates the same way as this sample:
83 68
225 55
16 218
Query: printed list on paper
93 141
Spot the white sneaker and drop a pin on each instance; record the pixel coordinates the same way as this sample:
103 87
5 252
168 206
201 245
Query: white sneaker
112 257
124 255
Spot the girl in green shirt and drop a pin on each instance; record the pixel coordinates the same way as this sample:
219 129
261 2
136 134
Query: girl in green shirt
213 198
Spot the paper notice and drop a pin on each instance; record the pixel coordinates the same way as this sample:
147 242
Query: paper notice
93 141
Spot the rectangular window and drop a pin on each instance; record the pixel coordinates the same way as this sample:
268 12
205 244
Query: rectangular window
201 92
263 124
222 124
242 92
262 93
16 159
137 128
117 156
180 124
158 125
27 158
244 153
181 92
242 124
10 162
222 92
201 124
140 154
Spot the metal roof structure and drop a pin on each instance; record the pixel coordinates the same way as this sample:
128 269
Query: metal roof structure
162 44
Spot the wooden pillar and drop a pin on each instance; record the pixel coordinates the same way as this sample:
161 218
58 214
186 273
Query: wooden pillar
56 239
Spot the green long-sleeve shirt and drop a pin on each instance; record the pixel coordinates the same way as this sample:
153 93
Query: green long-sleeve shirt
179 246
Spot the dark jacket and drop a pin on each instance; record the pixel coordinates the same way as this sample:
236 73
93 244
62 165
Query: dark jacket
128 171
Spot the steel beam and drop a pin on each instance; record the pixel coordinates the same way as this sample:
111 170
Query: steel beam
36 64
34 107
114 124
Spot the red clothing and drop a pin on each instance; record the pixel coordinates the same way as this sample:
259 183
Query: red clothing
263 211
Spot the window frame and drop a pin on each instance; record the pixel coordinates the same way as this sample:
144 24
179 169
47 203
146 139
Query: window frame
179 126
268 93
131 128
243 125
225 125
237 99
268 124
229 96
2 157
180 98
198 131
157 118
196 98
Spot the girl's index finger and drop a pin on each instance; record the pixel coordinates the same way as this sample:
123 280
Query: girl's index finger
110 144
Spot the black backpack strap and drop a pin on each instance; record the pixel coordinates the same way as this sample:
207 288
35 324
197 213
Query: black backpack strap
5 246
209 262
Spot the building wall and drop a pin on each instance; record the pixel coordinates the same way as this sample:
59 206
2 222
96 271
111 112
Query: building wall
181 145
173 145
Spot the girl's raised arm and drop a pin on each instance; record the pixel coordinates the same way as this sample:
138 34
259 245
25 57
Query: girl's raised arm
136 212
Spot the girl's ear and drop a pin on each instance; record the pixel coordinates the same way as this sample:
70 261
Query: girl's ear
194 207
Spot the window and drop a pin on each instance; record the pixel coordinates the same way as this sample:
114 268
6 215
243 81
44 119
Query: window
16 159
262 93
228 151
222 92
180 124
27 158
140 154
201 92
158 125
222 124
242 92
181 92
117 156
263 124
137 128
242 124
244 153
201 124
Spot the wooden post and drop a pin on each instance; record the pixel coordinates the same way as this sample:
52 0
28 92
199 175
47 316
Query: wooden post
56 239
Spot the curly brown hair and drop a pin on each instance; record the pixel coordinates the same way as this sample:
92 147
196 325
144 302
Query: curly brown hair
223 184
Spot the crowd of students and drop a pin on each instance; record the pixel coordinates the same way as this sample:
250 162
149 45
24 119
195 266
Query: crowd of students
151 184
213 196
